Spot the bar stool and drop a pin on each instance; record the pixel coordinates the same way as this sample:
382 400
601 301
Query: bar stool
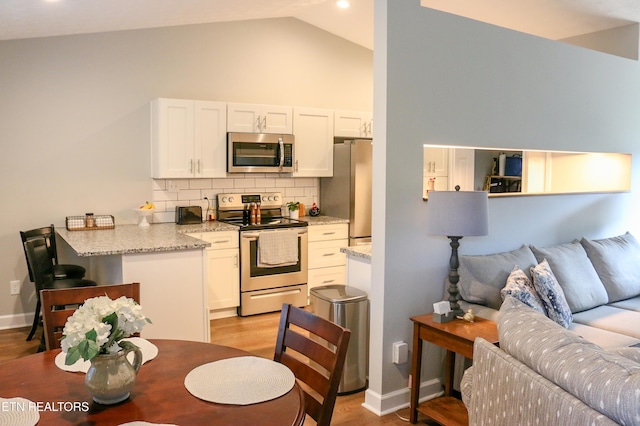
42 273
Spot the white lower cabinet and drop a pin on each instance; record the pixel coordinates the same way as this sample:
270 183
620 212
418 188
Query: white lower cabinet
222 271
327 265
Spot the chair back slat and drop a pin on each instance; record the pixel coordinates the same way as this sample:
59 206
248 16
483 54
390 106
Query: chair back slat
59 304
320 369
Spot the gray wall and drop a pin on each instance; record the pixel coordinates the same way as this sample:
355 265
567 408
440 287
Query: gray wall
443 79
74 112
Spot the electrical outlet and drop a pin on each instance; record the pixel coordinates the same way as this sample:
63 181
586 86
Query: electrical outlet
14 287
172 186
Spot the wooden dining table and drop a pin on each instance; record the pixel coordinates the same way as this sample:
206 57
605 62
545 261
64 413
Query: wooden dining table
159 395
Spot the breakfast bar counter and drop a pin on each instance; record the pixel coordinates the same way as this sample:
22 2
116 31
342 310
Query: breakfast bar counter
168 264
127 239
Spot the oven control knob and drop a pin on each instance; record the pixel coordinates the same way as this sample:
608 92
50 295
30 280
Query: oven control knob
231 199
224 199
276 198
264 198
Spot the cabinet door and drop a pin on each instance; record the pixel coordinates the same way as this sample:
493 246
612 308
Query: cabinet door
243 118
251 118
313 129
276 119
354 124
210 127
172 138
436 161
223 278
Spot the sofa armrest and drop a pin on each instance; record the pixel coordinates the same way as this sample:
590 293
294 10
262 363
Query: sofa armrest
507 392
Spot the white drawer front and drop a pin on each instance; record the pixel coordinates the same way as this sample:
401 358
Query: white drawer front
327 276
327 253
328 232
221 240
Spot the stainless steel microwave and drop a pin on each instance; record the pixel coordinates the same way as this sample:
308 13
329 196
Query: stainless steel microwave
260 153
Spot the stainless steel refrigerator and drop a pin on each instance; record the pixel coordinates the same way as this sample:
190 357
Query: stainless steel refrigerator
348 193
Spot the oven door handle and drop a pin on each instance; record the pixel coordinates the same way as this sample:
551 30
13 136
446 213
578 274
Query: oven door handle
255 235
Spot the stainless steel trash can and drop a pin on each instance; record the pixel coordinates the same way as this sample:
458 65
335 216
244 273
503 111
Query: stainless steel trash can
349 308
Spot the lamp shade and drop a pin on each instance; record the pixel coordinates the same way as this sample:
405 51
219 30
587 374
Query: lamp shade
458 213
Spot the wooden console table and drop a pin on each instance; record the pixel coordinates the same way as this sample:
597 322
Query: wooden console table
456 336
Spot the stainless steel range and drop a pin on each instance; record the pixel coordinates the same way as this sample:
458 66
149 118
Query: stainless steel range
273 252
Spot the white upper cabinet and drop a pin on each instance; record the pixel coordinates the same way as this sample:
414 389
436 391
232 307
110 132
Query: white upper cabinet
313 129
188 139
353 124
253 118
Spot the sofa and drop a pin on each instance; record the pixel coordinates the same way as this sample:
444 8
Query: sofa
568 319
590 287
544 374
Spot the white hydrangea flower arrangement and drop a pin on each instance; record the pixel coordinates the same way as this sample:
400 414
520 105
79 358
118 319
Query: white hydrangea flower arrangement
99 325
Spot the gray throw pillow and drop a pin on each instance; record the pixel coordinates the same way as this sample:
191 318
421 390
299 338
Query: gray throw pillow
521 287
551 294
483 276
575 274
616 261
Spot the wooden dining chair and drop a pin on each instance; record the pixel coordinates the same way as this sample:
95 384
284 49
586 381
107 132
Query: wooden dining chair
60 304
315 350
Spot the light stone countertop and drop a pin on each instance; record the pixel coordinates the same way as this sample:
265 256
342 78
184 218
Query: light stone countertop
323 220
363 251
128 239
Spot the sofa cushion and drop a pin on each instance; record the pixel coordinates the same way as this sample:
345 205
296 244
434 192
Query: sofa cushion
483 276
551 294
520 286
616 261
604 338
605 381
632 304
575 274
612 319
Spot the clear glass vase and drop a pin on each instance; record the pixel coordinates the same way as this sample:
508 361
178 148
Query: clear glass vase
111 377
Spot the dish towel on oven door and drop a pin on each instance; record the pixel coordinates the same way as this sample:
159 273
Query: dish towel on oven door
277 248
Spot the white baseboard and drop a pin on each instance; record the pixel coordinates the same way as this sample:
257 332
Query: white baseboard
223 313
396 400
16 321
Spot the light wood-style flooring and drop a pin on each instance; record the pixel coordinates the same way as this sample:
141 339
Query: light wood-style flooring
255 334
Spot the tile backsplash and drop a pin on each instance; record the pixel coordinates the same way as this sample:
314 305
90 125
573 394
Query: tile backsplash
169 193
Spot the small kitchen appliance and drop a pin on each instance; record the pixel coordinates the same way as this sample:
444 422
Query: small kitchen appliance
265 233
188 215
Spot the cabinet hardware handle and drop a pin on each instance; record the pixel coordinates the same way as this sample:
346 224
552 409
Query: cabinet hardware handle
329 254
221 241
296 166
198 165
328 281
265 123
328 233
369 130
191 166
258 126
236 260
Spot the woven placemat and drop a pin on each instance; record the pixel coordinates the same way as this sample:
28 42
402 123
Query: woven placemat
240 381
18 412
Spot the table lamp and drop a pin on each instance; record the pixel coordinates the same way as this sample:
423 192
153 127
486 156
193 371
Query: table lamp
457 214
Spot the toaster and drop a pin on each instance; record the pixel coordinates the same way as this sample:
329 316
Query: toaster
188 215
